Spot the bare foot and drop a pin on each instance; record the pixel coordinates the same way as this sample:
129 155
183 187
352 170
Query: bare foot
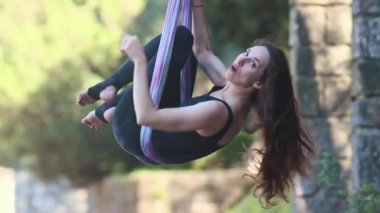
109 113
92 121
107 95
83 99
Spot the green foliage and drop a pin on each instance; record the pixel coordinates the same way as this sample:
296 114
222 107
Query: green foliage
366 200
229 156
330 173
237 24
49 51
363 200
59 144
249 205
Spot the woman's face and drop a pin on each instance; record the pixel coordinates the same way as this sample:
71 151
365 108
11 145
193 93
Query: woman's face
248 67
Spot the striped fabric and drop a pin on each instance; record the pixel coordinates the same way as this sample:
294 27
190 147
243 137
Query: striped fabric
162 66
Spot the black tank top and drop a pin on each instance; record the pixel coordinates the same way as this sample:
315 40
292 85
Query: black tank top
180 147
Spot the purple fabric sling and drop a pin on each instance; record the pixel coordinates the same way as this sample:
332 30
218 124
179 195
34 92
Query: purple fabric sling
162 65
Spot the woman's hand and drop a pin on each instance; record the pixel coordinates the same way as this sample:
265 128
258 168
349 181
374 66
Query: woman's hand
131 46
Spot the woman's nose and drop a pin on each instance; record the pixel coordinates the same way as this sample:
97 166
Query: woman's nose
241 61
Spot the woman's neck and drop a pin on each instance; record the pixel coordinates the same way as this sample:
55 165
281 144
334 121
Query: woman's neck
238 96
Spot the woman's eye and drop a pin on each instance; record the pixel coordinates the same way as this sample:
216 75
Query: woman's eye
253 64
246 53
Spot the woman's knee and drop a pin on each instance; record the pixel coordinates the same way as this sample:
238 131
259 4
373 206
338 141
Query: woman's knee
183 34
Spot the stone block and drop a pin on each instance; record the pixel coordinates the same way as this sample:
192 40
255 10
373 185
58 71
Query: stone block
307 25
366 113
315 201
366 37
308 2
321 60
324 96
338 24
115 194
332 136
366 157
319 2
367 76
169 192
366 7
335 95
307 93
334 2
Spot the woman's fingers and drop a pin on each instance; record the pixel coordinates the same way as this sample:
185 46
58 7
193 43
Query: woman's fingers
126 40
131 45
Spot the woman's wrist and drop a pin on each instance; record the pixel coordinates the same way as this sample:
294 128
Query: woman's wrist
140 60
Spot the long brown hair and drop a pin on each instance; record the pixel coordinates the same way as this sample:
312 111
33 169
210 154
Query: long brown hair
287 148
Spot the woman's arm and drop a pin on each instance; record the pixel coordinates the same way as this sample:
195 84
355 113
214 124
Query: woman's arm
209 116
252 121
213 66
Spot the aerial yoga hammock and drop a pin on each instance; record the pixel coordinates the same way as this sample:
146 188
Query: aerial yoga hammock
167 55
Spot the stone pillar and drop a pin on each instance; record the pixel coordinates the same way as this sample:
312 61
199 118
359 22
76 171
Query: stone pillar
366 98
320 41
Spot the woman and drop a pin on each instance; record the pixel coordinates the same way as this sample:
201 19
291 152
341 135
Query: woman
258 79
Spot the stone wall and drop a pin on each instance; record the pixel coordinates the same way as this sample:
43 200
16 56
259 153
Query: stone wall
35 196
366 97
320 40
169 192
148 191
21 192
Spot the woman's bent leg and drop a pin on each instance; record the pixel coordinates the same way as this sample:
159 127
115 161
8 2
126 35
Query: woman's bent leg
182 51
125 128
124 74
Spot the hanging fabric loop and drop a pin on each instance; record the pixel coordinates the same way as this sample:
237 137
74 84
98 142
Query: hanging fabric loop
162 65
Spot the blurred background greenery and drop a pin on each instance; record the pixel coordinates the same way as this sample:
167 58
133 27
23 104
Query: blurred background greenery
51 50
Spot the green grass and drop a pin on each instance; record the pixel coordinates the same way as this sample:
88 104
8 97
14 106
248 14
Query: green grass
251 205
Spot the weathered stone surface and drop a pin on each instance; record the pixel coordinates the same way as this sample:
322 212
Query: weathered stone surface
331 136
312 197
321 60
336 95
366 157
367 76
35 196
324 96
308 2
307 25
365 120
169 192
318 2
366 7
366 37
307 93
334 2
113 195
338 24
366 113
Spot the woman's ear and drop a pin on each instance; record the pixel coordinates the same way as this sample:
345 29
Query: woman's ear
257 85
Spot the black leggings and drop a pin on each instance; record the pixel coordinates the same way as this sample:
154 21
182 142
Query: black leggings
125 128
